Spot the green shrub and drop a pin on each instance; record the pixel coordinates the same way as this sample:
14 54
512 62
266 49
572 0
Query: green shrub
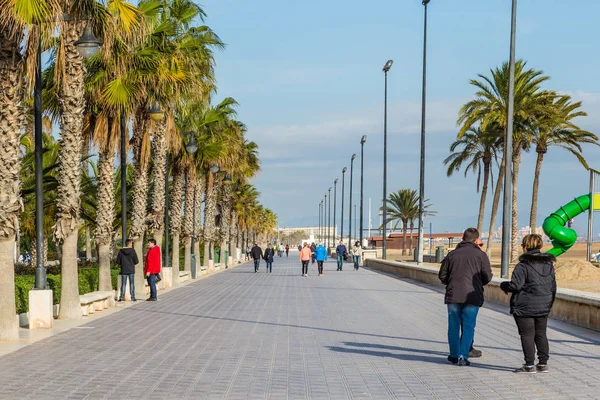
23 284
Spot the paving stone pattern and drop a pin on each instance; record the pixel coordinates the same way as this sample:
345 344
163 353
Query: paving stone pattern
346 335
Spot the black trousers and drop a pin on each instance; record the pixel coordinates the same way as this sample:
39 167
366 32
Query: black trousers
320 265
304 267
533 335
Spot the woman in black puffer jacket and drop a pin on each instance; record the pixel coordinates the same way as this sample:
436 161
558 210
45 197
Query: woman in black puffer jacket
533 288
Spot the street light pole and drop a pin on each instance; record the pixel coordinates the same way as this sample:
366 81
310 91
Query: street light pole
40 269
350 202
166 252
508 151
325 224
386 69
329 221
362 165
123 178
334 209
343 194
422 163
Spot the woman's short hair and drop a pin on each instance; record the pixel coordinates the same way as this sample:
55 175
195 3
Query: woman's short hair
532 241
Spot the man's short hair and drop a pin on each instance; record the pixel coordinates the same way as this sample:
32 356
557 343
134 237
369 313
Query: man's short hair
128 242
153 241
470 235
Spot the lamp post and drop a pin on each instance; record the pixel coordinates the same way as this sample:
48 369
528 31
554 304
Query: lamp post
191 148
362 164
123 177
342 213
508 150
334 209
320 218
87 46
329 221
386 69
355 236
422 162
350 202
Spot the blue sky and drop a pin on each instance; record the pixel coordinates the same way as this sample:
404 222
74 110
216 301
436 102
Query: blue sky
308 78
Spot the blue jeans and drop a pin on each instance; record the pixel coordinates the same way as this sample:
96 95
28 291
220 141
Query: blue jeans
269 266
340 261
356 261
461 316
256 264
152 284
124 278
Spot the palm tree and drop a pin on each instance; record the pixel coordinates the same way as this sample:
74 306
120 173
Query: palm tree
490 107
402 206
558 129
479 148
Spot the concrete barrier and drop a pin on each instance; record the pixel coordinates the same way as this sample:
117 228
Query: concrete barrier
573 306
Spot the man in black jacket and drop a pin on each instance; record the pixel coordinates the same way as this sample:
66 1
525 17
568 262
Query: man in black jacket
127 259
465 271
256 254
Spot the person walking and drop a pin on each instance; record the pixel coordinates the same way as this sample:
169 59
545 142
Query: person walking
464 272
127 259
152 268
533 288
320 255
247 253
341 252
356 254
313 247
256 254
268 256
305 255
287 250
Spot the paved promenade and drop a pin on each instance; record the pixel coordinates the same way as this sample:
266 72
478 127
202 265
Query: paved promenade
346 335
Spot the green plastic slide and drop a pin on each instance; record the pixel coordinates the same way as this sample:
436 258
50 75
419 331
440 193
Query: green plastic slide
564 238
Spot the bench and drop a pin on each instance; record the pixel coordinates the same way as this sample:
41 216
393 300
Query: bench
96 301
184 276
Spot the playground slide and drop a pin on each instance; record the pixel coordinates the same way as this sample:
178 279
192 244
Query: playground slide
564 238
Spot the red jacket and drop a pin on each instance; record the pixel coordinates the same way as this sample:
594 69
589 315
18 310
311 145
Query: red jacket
152 261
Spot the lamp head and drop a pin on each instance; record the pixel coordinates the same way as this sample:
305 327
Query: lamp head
88 44
214 168
353 156
156 113
363 139
344 170
192 146
388 65
336 181
227 179
425 2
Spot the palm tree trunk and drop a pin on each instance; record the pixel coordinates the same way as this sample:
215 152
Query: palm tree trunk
210 234
486 177
12 121
495 204
33 251
514 248
72 107
157 215
410 240
226 193
188 221
234 235
105 216
534 194
46 250
175 219
198 222
88 243
404 231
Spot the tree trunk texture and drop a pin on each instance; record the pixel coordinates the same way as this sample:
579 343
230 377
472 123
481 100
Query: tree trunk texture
156 218
226 200
175 219
514 248
233 237
210 206
200 182
410 240
484 189
404 231
495 204
188 220
88 243
72 107
105 216
534 193
33 252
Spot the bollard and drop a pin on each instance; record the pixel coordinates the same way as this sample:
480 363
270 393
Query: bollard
193 266
439 254
415 255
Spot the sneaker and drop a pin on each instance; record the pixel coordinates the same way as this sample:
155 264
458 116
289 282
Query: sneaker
474 353
542 368
133 299
453 360
526 369
463 363
120 300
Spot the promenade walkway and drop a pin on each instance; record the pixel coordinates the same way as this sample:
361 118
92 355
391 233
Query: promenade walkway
346 335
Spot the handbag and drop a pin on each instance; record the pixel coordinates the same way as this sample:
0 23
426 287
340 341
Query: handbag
158 278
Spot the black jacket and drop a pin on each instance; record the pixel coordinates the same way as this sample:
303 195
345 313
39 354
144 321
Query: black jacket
127 259
269 253
256 253
465 271
532 284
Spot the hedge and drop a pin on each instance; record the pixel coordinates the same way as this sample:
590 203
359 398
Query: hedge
88 282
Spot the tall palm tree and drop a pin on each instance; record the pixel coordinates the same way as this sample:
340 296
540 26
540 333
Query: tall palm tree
402 206
490 106
558 129
479 149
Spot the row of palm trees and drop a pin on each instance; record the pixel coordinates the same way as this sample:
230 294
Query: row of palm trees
155 71
542 119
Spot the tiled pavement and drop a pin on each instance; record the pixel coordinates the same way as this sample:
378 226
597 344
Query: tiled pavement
347 335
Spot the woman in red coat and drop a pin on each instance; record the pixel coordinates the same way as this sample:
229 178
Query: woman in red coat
152 267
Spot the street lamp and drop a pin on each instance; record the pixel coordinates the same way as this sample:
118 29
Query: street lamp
329 221
87 46
342 214
334 208
124 135
386 69
422 162
508 149
156 113
191 148
362 164
350 202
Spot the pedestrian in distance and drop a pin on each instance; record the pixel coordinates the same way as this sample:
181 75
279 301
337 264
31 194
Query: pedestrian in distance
152 268
247 253
342 253
287 250
321 256
356 254
533 288
464 272
305 255
256 254
313 247
268 256
127 259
